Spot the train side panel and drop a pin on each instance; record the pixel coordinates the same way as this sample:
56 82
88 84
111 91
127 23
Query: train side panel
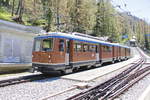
106 53
122 53
82 53
127 53
51 60
51 57
115 53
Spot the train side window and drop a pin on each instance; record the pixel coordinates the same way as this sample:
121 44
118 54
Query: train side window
97 48
68 46
74 47
92 48
104 48
47 45
85 47
61 45
78 47
110 49
107 49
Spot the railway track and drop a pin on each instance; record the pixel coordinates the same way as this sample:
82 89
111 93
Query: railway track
118 84
23 79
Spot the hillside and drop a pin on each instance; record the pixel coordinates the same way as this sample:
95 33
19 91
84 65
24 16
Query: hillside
98 18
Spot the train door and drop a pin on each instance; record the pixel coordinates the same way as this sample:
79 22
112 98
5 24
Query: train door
67 52
97 53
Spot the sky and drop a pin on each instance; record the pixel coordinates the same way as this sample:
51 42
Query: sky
139 8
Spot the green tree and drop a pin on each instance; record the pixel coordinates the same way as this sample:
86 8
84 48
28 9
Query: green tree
105 20
82 15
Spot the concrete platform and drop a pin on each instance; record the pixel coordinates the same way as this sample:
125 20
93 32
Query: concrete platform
146 94
99 72
17 75
9 67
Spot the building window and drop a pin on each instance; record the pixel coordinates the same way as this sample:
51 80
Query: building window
47 45
61 45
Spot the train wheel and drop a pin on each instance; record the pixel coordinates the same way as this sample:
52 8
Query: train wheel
113 61
32 70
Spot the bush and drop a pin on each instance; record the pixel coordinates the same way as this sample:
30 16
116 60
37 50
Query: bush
38 22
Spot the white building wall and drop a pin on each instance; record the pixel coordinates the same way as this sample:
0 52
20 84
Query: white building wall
0 47
16 47
16 42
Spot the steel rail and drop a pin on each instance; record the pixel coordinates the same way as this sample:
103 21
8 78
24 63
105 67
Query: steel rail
127 83
104 89
23 79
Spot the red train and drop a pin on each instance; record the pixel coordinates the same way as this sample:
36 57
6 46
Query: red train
68 52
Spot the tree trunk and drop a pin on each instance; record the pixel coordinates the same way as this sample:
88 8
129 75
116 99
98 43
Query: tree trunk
7 3
2 3
19 11
34 4
57 15
18 8
13 8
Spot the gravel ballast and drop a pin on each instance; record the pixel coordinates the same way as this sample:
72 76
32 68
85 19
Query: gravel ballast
35 90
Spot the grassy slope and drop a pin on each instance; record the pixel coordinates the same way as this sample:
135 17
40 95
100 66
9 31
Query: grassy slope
5 15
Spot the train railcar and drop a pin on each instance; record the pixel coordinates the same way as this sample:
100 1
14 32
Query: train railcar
106 53
83 53
116 53
67 52
122 53
133 42
127 53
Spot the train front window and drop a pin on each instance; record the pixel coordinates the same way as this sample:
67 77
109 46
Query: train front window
37 45
47 45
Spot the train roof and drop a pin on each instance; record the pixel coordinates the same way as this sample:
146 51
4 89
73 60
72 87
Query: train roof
79 37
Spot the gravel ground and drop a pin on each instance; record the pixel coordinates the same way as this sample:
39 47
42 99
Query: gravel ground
65 95
35 90
39 89
136 90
